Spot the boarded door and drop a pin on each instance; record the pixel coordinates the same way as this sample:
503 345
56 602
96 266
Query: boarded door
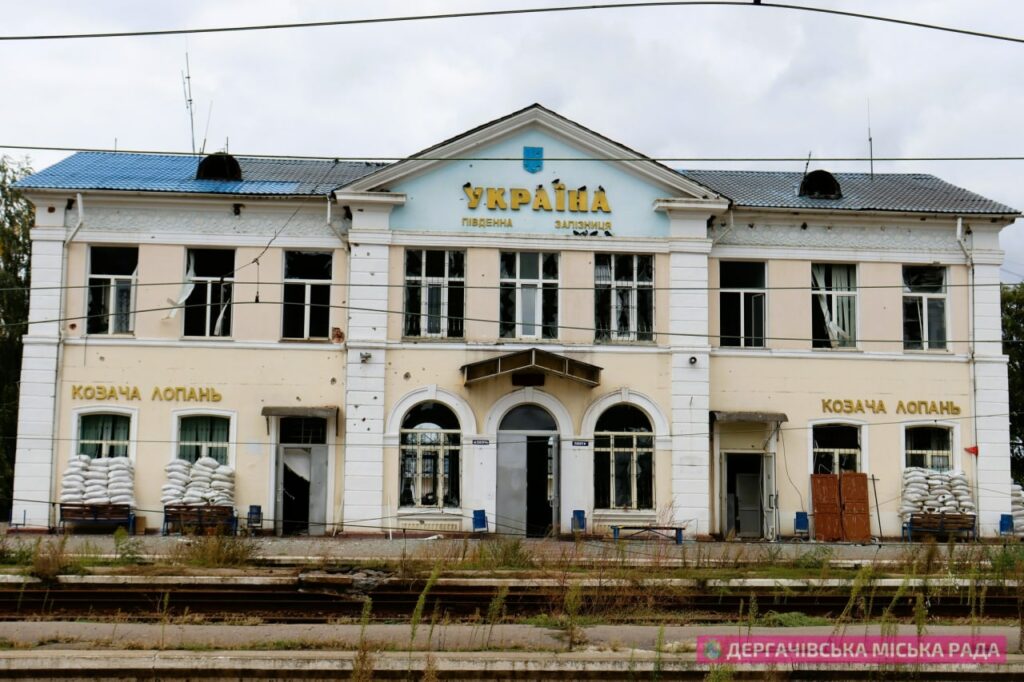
825 499
853 496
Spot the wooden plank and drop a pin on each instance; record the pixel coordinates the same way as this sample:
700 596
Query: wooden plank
825 503
853 498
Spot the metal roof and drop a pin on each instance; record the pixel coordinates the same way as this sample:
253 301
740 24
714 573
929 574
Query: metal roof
908 192
172 173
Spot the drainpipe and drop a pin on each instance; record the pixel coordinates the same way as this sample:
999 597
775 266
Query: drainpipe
80 205
961 240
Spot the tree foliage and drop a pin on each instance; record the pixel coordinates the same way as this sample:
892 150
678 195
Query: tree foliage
1013 346
16 218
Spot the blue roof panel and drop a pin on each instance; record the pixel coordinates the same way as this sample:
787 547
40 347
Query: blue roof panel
132 172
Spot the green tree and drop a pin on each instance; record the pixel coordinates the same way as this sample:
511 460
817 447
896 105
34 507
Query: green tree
16 218
1013 346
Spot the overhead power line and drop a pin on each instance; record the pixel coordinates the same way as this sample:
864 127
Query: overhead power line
512 12
635 157
427 339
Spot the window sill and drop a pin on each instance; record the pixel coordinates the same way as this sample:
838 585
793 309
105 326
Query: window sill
929 351
850 349
433 339
431 512
322 342
129 335
624 515
626 342
225 339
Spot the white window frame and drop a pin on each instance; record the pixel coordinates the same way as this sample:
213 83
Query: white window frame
538 283
309 283
833 295
634 451
177 415
863 430
742 291
425 283
442 478
207 283
112 281
614 285
926 342
954 442
76 425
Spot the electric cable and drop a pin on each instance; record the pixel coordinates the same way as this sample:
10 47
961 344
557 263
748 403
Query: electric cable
514 12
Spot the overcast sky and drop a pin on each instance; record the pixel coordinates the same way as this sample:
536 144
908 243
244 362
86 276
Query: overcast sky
669 82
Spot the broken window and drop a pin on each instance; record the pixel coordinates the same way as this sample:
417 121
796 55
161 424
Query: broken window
112 272
836 448
208 306
307 295
303 430
430 445
623 460
528 295
104 435
741 304
623 297
434 293
924 307
203 436
929 447
833 306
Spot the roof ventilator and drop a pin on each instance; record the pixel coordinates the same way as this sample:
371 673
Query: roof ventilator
820 184
219 166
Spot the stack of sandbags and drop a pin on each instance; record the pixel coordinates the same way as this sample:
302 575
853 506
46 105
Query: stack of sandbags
173 491
121 480
205 482
223 486
936 492
72 485
1017 506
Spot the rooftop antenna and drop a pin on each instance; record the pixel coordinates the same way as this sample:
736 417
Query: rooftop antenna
808 164
871 144
209 115
186 86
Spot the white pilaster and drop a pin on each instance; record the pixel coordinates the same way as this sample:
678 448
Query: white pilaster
991 401
688 325
34 455
363 500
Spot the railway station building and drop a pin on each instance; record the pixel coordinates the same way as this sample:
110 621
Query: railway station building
528 319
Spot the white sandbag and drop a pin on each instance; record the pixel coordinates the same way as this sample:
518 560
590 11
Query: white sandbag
208 462
178 465
96 500
224 470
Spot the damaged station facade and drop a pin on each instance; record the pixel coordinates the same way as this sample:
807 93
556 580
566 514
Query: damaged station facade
528 320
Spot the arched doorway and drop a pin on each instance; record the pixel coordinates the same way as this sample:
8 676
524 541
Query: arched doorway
527 472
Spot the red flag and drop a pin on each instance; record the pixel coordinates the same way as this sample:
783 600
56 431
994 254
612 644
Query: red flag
973 450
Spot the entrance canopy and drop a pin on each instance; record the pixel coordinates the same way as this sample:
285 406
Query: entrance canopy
766 417
323 412
532 361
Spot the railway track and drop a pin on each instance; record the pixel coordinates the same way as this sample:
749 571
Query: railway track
306 601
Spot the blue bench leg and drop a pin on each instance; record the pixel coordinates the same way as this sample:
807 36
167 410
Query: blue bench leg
679 536
615 532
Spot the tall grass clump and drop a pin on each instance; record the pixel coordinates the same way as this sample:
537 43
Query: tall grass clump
215 551
51 559
503 552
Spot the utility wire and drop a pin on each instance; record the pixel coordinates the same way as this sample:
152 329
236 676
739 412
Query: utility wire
428 339
911 421
384 160
513 12
486 287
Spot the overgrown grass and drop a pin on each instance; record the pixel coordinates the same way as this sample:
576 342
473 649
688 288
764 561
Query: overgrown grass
502 553
214 551
51 559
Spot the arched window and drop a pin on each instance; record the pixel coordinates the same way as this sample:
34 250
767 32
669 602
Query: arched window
930 447
836 448
623 460
430 465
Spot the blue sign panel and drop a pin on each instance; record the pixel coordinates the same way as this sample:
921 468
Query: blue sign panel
533 159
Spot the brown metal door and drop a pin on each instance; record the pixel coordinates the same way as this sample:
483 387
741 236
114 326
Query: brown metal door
825 500
853 496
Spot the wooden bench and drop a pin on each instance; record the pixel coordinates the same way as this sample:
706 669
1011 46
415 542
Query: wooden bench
201 519
670 532
97 515
940 524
